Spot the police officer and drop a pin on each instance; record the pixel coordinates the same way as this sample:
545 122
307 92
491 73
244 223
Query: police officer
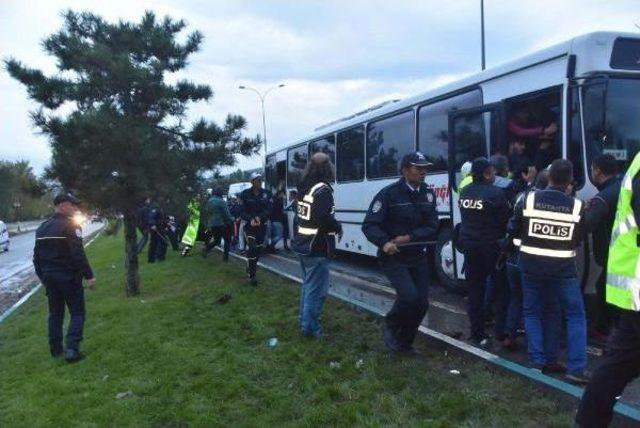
600 214
61 264
484 212
401 221
622 363
314 240
256 206
549 224
158 241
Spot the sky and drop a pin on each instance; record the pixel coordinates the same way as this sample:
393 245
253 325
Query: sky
334 57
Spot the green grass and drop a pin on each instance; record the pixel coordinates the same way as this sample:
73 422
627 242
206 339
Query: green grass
192 362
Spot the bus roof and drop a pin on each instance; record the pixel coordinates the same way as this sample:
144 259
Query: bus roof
602 40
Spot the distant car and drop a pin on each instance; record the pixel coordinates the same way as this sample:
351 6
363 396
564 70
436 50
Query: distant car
4 237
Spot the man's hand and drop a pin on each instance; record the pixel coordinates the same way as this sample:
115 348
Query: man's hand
551 129
91 283
255 222
402 239
390 248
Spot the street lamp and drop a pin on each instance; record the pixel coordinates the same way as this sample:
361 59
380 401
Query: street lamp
262 97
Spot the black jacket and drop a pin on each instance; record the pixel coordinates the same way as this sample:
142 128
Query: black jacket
59 250
397 210
555 200
599 218
256 205
484 212
316 219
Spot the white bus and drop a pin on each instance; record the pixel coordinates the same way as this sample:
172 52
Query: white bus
588 86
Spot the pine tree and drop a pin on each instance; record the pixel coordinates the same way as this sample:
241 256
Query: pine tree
124 136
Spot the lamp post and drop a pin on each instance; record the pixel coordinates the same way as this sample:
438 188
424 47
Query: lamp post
16 206
262 97
482 33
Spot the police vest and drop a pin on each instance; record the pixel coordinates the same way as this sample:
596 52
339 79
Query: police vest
623 271
465 182
548 233
307 227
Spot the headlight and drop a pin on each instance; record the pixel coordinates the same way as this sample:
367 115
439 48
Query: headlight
79 219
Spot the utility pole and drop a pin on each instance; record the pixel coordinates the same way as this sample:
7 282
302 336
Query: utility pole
482 32
262 97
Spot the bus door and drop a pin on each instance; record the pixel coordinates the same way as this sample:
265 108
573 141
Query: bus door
475 132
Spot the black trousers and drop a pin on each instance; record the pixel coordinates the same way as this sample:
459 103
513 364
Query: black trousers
411 282
606 314
218 233
254 238
620 367
157 247
480 265
64 289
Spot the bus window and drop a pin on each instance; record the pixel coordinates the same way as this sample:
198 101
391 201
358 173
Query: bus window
433 127
388 140
350 162
270 179
296 163
472 134
325 145
618 131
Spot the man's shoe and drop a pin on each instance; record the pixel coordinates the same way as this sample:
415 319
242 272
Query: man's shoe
390 340
57 352
410 351
253 282
553 368
73 355
578 378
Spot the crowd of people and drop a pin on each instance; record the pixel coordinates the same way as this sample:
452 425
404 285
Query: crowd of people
520 230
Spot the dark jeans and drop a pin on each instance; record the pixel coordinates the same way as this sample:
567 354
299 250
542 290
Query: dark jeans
546 298
620 367
64 289
254 237
480 265
514 312
606 314
142 242
218 233
411 282
315 286
157 247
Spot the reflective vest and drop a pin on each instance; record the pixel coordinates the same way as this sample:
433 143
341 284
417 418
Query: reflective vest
307 226
465 182
549 233
623 270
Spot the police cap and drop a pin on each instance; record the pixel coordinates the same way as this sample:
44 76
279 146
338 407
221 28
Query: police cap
415 159
255 175
65 197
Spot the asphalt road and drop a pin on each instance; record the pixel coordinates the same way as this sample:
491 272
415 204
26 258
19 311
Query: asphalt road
16 269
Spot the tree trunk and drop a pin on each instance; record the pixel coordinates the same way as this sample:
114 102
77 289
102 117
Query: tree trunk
131 256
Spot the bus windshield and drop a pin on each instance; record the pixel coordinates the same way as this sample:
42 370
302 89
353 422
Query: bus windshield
611 114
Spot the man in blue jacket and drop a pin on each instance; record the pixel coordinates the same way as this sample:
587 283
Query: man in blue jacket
401 221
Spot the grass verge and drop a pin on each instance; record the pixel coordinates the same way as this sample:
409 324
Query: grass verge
191 361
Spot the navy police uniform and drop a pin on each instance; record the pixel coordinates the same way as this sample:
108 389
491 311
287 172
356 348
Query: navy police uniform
484 212
61 264
255 205
158 241
399 210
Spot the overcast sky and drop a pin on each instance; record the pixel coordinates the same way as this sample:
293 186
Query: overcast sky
335 57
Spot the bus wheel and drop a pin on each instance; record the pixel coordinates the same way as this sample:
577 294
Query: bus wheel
444 262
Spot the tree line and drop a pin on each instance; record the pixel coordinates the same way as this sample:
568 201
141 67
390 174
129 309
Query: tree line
23 196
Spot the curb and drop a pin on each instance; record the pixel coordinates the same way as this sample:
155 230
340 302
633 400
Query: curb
624 415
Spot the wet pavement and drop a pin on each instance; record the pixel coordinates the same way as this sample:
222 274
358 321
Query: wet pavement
17 276
359 280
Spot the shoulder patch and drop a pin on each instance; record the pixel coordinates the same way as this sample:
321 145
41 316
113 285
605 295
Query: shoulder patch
377 205
430 197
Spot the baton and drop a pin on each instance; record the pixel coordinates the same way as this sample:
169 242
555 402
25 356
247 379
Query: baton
164 238
414 244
